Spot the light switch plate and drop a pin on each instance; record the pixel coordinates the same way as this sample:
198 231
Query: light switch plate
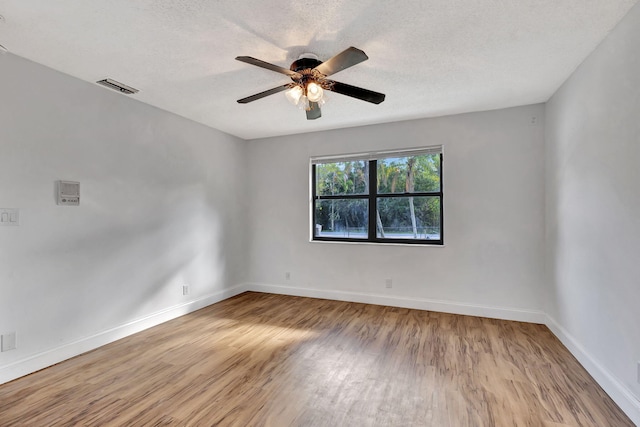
9 216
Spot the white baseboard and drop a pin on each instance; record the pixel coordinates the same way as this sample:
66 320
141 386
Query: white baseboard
520 315
56 355
620 394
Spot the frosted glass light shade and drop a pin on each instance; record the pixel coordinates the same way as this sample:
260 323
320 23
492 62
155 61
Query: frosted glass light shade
294 94
304 103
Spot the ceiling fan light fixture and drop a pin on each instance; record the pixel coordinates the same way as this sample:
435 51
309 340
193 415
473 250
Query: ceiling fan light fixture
294 94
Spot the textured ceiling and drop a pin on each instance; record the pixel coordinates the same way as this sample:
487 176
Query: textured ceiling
430 57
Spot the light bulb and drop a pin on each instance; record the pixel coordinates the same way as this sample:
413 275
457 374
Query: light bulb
314 92
294 94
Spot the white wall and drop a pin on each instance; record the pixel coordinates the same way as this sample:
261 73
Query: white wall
162 205
593 213
492 261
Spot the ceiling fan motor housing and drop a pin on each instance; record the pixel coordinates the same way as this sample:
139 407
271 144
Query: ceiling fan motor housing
304 63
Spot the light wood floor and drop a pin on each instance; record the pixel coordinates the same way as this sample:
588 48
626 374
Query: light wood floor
270 360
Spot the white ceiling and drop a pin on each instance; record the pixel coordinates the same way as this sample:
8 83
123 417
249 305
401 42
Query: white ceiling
430 57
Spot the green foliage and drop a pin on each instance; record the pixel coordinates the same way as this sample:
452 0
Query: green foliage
393 172
342 178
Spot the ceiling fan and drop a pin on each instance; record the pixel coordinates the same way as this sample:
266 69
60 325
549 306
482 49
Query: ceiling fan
309 80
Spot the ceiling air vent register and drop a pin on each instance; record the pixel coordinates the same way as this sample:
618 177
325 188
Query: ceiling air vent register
120 87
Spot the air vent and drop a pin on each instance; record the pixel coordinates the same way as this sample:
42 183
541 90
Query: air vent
117 86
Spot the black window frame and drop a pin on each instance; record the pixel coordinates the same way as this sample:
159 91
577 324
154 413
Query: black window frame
372 197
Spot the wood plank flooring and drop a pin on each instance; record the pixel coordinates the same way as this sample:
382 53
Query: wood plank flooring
271 360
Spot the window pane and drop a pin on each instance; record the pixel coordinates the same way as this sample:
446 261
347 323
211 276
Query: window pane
341 218
409 217
342 178
409 174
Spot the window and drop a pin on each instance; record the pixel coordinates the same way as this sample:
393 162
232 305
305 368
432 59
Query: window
384 197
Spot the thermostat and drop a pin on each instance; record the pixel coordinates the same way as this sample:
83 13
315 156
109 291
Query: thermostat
68 193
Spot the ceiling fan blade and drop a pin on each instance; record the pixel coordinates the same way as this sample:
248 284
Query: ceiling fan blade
345 59
314 112
356 92
263 94
268 66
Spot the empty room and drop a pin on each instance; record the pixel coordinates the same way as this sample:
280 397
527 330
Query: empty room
336 213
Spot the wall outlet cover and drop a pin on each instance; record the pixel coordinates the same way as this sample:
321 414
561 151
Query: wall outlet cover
8 341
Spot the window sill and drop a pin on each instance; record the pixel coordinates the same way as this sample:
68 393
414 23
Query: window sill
333 242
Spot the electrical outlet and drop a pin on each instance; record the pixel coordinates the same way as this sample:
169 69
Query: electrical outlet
8 341
388 283
185 289
287 275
